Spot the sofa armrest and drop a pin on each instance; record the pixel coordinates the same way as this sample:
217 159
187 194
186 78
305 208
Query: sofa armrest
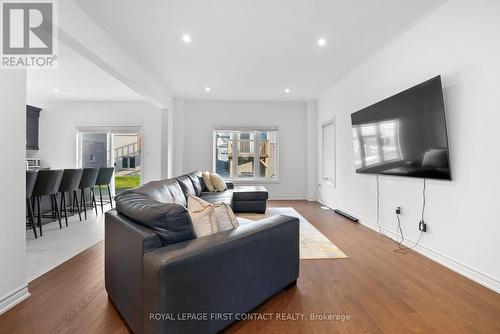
229 272
229 184
125 243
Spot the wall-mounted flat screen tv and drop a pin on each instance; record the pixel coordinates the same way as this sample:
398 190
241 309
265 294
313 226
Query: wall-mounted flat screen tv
404 135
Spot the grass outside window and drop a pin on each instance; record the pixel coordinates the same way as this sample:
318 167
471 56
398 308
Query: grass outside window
126 182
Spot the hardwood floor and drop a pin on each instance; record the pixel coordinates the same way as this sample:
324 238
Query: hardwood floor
380 290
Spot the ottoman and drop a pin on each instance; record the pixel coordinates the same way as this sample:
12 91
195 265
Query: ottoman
250 199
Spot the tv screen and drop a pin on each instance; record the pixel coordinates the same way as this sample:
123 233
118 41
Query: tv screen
404 135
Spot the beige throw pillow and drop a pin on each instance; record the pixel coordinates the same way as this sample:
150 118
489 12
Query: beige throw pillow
210 218
226 220
207 180
202 217
217 182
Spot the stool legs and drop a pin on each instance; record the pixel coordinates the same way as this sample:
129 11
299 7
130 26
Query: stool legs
31 216
39 215
110 199
58 213
64 208
100 197
75 200
36 206
53 208
83 200
93 202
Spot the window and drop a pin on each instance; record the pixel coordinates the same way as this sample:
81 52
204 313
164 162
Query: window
246 153
112 146
328 152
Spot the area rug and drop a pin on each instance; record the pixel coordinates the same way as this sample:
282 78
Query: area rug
313 244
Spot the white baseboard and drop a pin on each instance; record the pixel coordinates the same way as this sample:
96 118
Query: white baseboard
447 261
287 198
13 298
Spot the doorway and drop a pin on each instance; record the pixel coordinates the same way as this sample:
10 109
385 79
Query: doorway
119 147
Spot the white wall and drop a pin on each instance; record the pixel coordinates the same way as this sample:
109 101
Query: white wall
459 41
312 151
198 119
81 32
59 122
178 133
13 287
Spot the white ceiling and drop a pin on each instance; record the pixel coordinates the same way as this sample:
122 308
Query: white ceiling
253 49
77 79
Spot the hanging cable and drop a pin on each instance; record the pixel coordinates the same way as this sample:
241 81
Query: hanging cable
401 248
400 238
378 209
421 218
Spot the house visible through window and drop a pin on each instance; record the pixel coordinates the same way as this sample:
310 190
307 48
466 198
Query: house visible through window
246 153
328 153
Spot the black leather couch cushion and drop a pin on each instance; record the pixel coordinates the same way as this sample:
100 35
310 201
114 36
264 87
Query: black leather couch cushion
195 179
170 221
250 193
175 191
216 197
202 182
157 190
186 185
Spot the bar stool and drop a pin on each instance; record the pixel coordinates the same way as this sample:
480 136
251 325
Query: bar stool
69 184
89 177
47 184
104 179
30 185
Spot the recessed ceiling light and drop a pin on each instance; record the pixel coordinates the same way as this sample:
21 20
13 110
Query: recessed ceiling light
321 42
287 90
56 90
186 38
208 89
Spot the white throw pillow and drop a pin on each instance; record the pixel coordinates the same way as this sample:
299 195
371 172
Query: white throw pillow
202 217
210 218
208 181
217 182
226 220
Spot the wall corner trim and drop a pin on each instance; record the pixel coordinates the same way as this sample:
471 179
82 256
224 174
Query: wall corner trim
13 298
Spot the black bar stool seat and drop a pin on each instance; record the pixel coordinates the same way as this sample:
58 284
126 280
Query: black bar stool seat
70 184
87 181
104 179
30 185
47 184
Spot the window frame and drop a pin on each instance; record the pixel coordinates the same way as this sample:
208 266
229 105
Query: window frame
380 146
246 129
325 181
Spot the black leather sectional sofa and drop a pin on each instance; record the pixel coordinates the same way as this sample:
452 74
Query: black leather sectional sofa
164 280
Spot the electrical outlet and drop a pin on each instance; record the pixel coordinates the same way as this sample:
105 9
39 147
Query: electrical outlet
398 210
422 226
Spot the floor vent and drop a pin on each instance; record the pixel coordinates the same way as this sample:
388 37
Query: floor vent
346 215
